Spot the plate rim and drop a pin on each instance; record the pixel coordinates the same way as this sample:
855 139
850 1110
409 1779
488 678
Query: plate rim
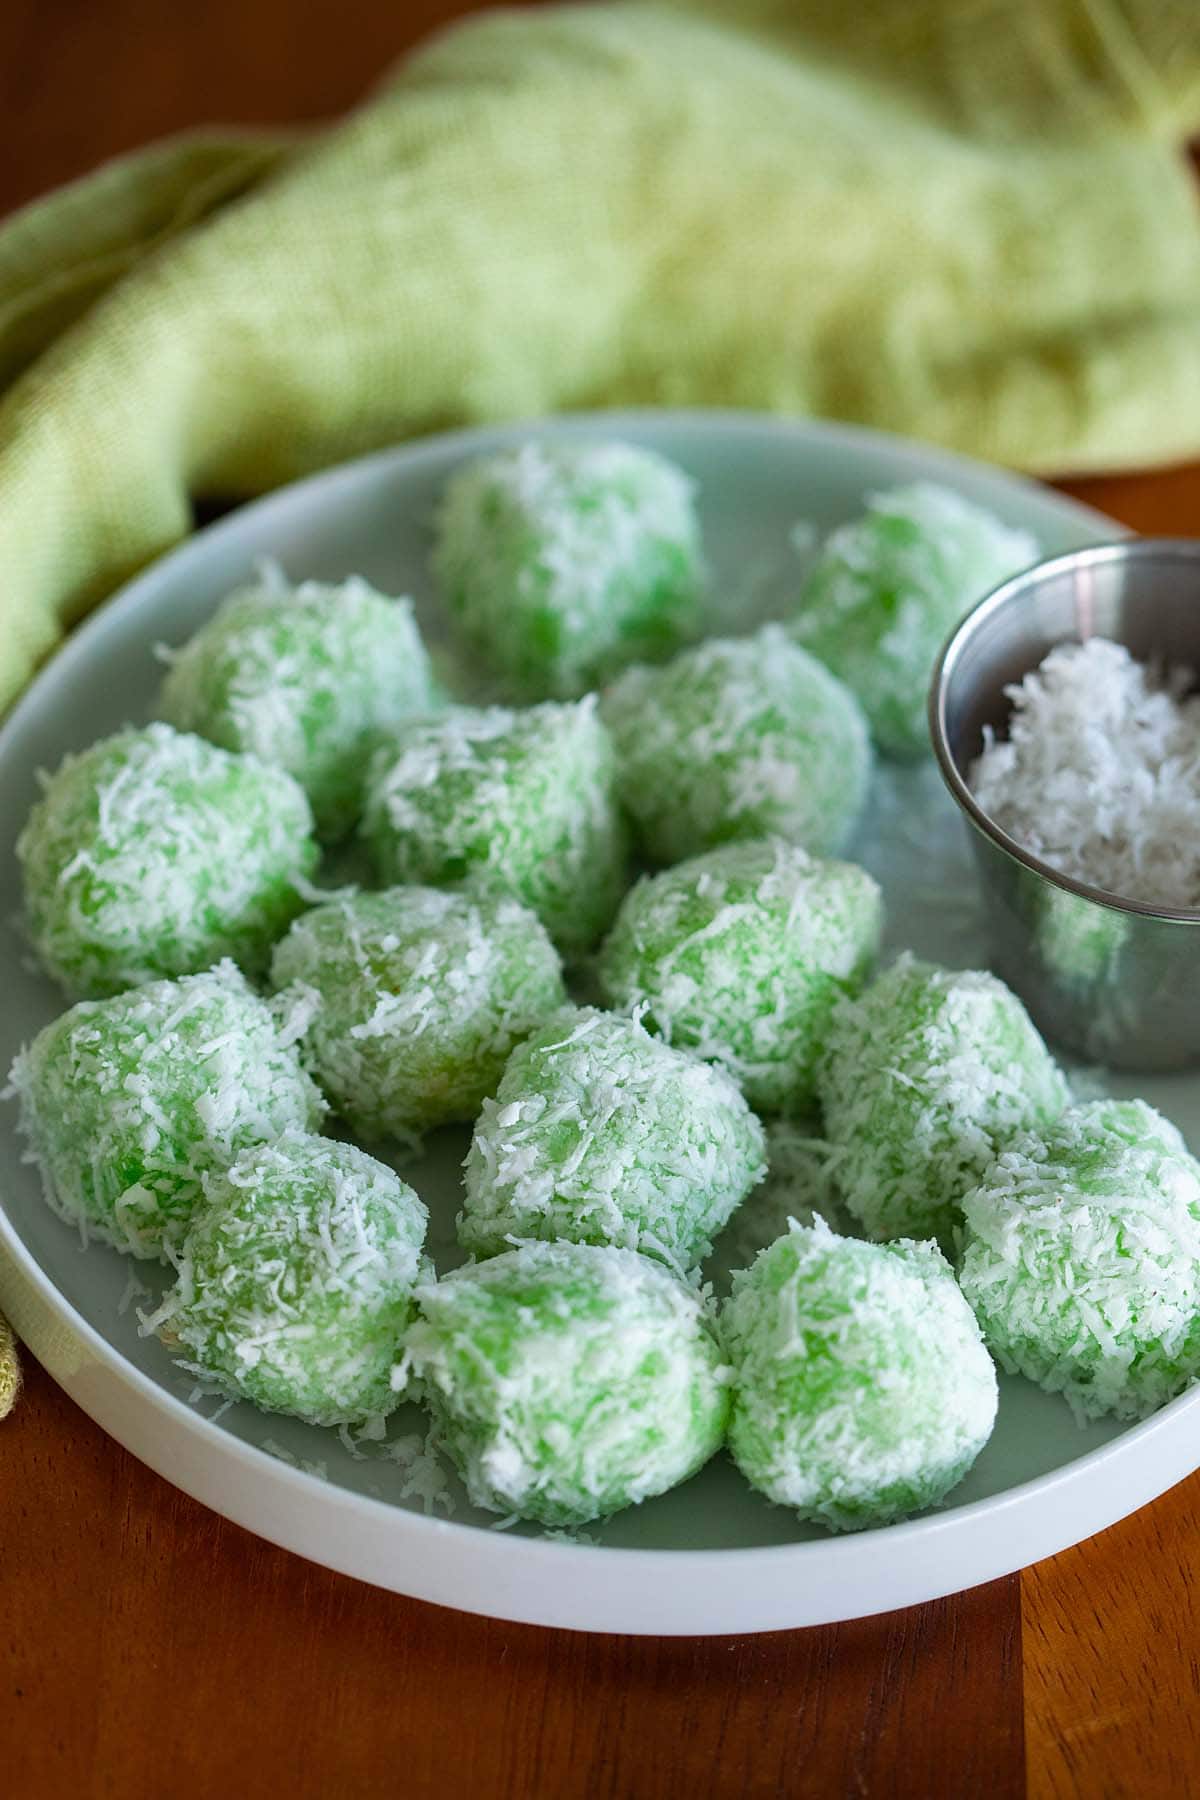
539 1554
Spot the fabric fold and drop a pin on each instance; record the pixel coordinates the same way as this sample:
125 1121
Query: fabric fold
629 204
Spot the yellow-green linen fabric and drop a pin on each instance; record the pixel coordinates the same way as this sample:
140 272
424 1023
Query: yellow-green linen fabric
10 1374
969 220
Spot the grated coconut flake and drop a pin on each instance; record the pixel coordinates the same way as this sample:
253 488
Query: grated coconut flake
1100 773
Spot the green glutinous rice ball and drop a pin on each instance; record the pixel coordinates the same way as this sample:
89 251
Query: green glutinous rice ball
886 591
562 563
1082 1259
308 677
925 1078
419 996
295 1282
569 1380
862 1389
738 738
496 801
155 853
602 1134
741 955
127 1104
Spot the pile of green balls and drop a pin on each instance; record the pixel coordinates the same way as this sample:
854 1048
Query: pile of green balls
603 935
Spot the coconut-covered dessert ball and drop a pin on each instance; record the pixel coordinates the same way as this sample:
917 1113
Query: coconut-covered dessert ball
155 853
296 1279
887 590
926 1077
741 955
308 677
562 563
862 1389
602 1134
419 997
128 1103
1082 1258
568 1380
505 802
738 738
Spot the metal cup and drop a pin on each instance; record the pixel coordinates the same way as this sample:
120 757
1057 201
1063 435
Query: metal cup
1114 980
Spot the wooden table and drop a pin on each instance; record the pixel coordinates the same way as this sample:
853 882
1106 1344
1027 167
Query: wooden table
147 1646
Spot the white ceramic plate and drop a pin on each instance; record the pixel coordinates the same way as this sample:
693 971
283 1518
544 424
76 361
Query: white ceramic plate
712 1556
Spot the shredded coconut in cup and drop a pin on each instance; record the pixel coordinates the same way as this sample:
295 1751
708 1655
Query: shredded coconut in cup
1100 773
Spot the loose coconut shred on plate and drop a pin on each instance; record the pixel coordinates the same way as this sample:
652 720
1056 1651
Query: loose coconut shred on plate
1100 773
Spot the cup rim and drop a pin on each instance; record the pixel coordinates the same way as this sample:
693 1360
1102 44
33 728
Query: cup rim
1128 549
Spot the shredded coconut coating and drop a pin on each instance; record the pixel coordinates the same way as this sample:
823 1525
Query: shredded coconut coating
154 853
741 955
295 1282
310 678
800 1185
738 738
495 801
925 1078
567 1380
887 590
419 996
564 563
862 1389
1082 1259
602 1134
1099 774
127 1104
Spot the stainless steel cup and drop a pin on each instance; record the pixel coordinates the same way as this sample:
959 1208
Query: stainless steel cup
1113 980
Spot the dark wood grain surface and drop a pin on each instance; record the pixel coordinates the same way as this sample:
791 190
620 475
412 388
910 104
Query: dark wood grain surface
148 1646
138 1626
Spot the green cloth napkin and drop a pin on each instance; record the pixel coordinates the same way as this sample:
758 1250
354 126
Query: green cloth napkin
969 220
10 1373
